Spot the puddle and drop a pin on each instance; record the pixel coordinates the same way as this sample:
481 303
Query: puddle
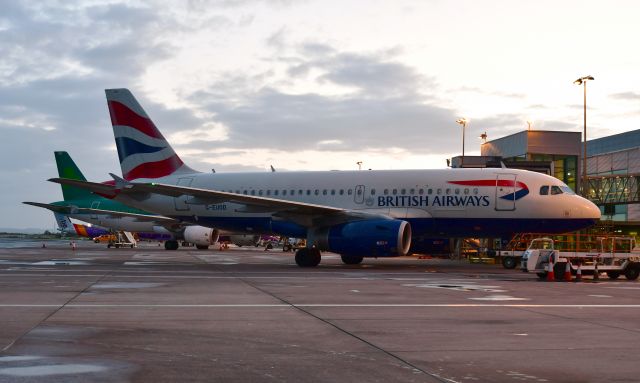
458 287
18 358
54 262
499 298
125 285
53 369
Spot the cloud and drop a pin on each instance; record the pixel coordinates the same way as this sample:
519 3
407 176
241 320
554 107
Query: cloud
390 103
626 96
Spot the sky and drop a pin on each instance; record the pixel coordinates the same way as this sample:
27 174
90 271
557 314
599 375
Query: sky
239 85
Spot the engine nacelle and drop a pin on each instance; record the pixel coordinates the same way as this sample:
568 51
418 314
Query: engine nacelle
370 238
202 236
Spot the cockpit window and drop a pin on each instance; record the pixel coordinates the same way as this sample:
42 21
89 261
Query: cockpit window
555 190
567 190
544 190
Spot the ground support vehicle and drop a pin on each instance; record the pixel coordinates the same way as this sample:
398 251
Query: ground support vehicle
614 256
123 239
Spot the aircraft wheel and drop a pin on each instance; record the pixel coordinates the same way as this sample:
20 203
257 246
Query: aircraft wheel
351 259
202 247
306 257
171 245
509 262
632 272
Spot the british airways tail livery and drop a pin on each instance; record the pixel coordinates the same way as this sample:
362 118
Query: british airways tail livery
142 150
354 213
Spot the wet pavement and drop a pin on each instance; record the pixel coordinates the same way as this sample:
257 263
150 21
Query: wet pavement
247 315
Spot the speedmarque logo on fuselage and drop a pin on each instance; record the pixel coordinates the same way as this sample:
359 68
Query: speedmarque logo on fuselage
456 200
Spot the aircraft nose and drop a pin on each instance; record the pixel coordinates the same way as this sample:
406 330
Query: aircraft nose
589 209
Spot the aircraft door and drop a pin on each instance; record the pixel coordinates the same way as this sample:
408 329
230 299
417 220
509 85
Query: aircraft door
181 201
358 196
94 205
506 192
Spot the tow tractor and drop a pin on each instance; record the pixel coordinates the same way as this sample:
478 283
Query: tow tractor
613 255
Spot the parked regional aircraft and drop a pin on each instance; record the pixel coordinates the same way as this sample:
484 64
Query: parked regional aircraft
354 213
65 226
85 206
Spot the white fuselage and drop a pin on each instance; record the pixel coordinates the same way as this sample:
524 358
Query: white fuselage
447 202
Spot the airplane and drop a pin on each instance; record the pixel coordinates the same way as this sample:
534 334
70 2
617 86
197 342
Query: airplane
65 226
85 206
356 214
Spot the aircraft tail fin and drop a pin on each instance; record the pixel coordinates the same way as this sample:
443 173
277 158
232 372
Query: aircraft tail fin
142 150
64 223
67 168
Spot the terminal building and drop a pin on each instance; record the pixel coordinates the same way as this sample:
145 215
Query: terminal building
613 167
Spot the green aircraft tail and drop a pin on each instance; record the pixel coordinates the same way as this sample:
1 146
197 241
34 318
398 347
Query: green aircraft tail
68 169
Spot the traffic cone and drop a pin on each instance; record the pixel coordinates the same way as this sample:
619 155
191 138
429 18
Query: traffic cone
578 273
596 273
567 272
550 276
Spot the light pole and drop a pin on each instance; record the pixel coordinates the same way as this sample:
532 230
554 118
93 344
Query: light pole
462 121
359 163
583 81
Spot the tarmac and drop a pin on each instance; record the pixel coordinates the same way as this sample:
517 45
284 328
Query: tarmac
249 315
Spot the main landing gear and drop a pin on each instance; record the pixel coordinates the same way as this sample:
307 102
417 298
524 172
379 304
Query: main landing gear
351 259
308 257
171 245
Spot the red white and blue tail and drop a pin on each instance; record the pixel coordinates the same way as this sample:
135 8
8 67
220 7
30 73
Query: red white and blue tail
143 151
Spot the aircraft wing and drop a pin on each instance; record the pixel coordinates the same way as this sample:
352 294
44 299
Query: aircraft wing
159 219
105 190
305 214
54 208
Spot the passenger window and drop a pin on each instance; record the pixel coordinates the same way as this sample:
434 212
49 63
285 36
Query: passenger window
349 192
284 192
395 191
439 191
430 191
403 191
359 191
421 191
386 191
448 191
268 192
275 192
333 191
253 192
308 191
341 191
324 192
293 192
412 191
555 190
475 190
245 192
457 191
259 192
544 190
300 192
466 190
373 191
316 192
237 191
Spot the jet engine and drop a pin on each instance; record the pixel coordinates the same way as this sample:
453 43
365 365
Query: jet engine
370 238
201 236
